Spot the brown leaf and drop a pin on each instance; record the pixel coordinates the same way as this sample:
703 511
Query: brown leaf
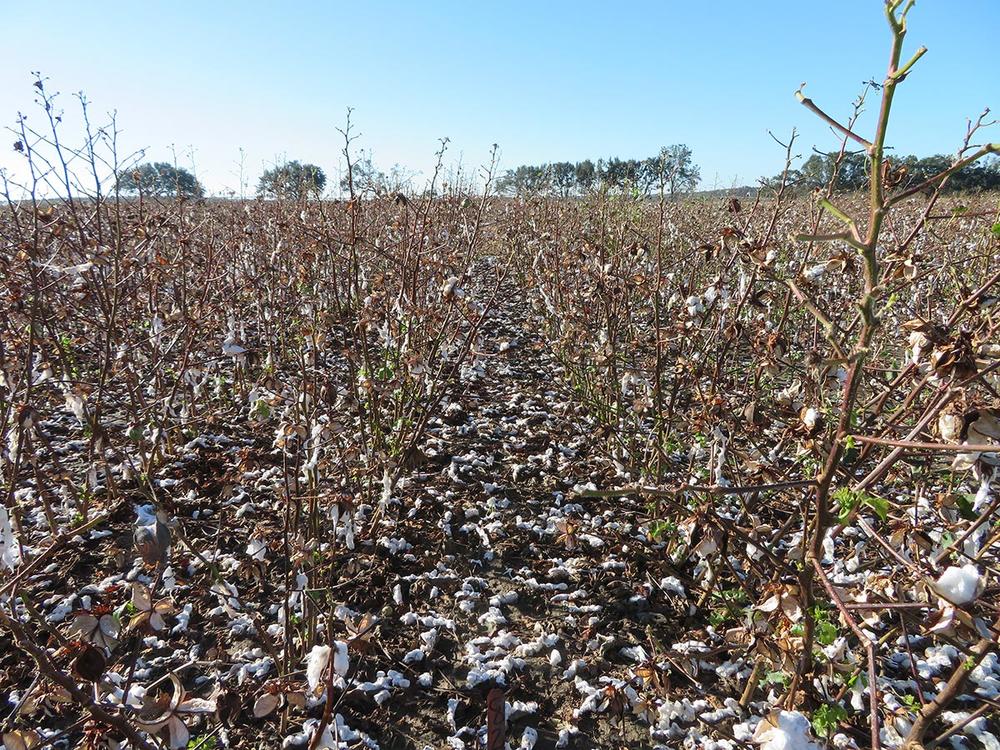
21 739
266 704
90 663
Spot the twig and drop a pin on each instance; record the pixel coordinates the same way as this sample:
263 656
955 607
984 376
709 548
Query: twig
937 447
873 703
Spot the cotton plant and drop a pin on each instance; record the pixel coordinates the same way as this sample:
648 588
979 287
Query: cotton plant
323 658
76 403
170 713
342 516
10 549
231 345
314 448
717 457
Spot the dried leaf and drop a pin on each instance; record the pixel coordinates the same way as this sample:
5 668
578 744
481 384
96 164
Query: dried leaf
266 704
21 739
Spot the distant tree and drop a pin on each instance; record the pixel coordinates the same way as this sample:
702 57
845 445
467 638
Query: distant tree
160 179
853 171
677 170
651 174
673 167
983 175
563 175
525 180
292 181
611 172
621 174
927 167
399 179
505 183
818 170
586 174
815 171
632 169
366 177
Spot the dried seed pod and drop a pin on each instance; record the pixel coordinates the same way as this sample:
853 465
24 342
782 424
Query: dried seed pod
89 663
152 542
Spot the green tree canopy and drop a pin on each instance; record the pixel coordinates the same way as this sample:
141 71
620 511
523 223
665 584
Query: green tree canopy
563 177
525 180
160 179
586 174
292 181
820 169
673 168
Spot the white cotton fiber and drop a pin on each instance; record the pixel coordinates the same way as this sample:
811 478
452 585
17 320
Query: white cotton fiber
960 585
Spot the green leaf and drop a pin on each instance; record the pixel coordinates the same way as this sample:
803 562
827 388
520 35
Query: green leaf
827 718
964 503
879 505
660 529
777 677
846 501
826 633
996 229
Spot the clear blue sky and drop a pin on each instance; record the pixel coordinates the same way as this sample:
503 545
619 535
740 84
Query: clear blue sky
547 80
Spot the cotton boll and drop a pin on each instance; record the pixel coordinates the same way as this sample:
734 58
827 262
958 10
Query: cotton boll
960 585
950 427
565 735
341 661
10 551
77 404
256 549
451 288
319 657
814 272
785 730
673 585
695 306
810 417
414 656
231 348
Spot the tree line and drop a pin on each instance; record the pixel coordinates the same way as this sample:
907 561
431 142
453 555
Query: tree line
673 170
292 180
851 173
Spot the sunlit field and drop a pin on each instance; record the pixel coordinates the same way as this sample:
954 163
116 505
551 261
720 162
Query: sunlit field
590 460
